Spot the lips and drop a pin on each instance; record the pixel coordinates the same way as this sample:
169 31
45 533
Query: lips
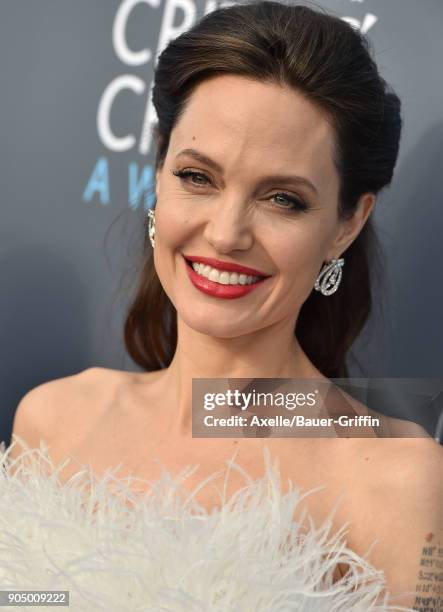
220 290
225 265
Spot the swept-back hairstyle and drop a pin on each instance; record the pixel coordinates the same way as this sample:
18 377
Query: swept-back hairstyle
330 62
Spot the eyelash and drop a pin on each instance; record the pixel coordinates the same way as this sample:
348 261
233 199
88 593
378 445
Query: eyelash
297 205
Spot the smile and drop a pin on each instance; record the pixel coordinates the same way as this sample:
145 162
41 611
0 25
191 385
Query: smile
222 276
224 266
221 283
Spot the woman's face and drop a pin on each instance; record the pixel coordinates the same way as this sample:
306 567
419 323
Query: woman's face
251 131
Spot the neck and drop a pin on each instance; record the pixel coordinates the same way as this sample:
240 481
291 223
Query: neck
273 352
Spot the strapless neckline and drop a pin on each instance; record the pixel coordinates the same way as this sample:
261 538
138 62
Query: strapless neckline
116 550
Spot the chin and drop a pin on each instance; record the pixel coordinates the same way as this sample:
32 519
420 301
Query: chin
208 324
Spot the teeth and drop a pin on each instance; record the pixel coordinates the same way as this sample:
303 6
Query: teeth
223 277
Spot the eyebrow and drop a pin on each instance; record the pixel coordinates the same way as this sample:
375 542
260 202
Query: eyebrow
274 178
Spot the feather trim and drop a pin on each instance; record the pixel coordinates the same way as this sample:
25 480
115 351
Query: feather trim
115 550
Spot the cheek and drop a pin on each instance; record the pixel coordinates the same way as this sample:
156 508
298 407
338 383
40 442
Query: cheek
300 255
173 231
172 226
298 261
171 236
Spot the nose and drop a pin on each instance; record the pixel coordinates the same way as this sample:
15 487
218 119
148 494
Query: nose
228 228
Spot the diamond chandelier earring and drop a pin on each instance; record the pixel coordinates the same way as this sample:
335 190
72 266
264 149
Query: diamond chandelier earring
330 276
151 226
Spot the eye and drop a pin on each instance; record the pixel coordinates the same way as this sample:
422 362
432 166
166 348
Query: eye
184 174
295 204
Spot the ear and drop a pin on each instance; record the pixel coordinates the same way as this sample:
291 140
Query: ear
350 228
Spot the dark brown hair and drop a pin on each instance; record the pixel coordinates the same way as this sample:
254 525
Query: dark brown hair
330 62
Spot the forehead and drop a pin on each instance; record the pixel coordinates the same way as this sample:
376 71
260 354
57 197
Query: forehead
242 123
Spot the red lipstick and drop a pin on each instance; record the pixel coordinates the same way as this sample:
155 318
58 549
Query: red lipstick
219 290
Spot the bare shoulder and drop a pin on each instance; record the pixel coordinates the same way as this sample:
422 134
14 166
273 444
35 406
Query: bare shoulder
46 407
390 467
397 461
384 426
413 467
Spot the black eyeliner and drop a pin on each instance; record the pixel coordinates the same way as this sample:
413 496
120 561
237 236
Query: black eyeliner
297 204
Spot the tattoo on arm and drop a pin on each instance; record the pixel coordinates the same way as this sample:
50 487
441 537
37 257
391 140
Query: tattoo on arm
429 589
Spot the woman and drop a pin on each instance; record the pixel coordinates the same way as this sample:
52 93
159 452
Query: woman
276 134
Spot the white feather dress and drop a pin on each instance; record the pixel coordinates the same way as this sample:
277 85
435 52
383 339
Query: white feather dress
115 550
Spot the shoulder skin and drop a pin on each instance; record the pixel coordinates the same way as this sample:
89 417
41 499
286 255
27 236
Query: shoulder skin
404 513
41 408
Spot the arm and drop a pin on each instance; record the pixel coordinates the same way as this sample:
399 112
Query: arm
410 519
